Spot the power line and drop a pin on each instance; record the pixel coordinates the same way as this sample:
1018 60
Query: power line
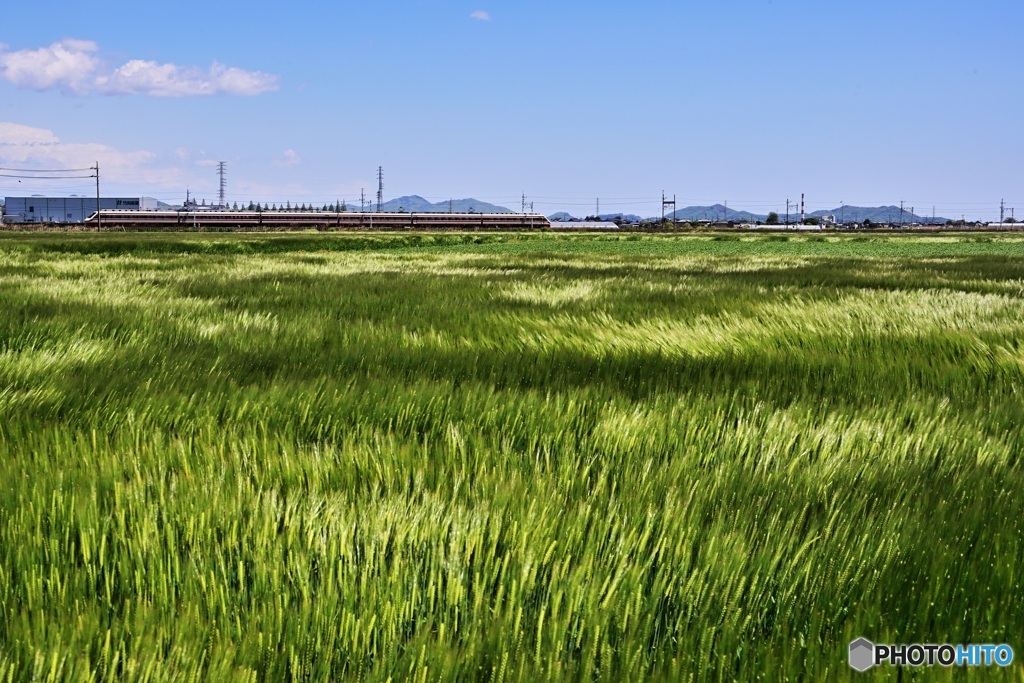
42 170
33 177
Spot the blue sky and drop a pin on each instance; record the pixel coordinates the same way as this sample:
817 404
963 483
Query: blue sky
745 101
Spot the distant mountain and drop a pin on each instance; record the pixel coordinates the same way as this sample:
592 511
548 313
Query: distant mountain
620 217
610 217
876 214
715 212
843 214
416 204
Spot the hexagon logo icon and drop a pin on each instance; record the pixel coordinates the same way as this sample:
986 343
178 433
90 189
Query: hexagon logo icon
862 654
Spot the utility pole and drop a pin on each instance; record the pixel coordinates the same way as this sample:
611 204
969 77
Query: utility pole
523 210
1002 210
725 212
362 199
220 171
668 202
901 213
380 187
450 205
787 212
98 219
597 210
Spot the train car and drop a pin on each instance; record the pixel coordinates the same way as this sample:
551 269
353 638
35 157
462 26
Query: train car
318 220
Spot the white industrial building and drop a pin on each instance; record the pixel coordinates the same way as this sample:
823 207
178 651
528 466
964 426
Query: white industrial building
67 209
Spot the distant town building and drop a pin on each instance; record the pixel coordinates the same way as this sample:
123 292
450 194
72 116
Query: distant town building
72 209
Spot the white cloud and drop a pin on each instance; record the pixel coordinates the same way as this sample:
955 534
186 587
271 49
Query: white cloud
139 77
19 136
481 15
75 67
27 147
68 64
290 158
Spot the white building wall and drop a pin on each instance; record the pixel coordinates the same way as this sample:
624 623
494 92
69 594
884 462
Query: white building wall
67 209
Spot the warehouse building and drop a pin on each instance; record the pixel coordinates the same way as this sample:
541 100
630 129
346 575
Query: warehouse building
67 209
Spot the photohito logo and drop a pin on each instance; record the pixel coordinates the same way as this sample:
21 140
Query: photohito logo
864 654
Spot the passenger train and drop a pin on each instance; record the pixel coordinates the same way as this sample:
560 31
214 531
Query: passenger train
277 220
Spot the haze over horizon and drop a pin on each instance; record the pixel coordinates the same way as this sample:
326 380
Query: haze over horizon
748 102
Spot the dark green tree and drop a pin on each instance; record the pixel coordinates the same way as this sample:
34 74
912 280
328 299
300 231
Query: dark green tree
773 219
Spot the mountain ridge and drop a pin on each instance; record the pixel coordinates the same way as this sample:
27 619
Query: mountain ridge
719 213
416 204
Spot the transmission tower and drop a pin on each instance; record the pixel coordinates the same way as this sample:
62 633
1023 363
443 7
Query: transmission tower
221 168
380 187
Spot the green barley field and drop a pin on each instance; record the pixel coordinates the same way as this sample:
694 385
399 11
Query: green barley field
372 457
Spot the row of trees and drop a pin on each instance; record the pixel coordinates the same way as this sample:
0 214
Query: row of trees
773 219
288 206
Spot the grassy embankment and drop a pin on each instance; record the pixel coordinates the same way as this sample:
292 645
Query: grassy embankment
505 457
